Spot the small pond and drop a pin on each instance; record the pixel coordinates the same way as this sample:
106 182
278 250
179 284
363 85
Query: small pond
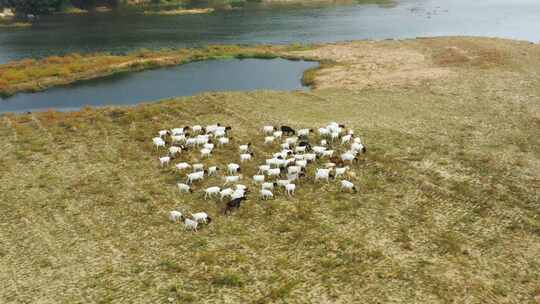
151 85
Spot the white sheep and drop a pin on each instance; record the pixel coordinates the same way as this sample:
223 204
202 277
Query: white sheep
205 152
341 171
357 147
212 170
333 127
198 167
202 139
226 192
294 169
300 149
310 157
240 187
267 185
191 142
178 138
220 132
290 189
201 217
158 142
319 149
238 193
334 136
195 176
281 154
173 150
285 145
276 162
263 169
208 146
175 216
190 224
232 168
328 153
324 142
329 165
277 134
223 141
273 172
357 140
269 139
245 157
299 157
183 188
177 131
283 182
211 128
347 185
258 178
291 140
292 177
268 129
211 191
196 128
244 148
266 194
271 162
324 132
301 163
322 174
347 157
231 179
346 139
162 133
304 132
165 160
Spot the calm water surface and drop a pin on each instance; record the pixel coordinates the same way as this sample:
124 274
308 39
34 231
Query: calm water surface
518 19
188 79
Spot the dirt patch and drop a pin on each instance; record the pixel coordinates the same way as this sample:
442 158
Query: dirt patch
368 64
467 54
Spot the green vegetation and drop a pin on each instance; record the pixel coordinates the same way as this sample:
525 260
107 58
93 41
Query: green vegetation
161 7
11 24
179 11
447 209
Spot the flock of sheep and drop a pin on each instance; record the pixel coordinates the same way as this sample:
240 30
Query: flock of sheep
298 150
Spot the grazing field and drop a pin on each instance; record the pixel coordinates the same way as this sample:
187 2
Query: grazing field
447 210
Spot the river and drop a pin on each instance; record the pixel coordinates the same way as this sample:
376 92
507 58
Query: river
117 32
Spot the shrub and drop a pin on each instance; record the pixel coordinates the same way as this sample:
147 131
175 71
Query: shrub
15 76
228 279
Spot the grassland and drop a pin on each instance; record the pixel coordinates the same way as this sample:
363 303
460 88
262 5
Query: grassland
447 212
37 75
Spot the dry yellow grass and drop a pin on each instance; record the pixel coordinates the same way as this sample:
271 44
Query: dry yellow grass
447 210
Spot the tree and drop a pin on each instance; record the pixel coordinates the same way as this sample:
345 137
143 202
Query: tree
34 7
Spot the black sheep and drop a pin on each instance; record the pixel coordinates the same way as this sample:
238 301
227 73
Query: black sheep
234 204
288 130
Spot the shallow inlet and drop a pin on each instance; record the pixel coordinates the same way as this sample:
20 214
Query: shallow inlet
183 80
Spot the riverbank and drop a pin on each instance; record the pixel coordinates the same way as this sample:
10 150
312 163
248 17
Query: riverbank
180 12
351 65
13 24
36 75
447 209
